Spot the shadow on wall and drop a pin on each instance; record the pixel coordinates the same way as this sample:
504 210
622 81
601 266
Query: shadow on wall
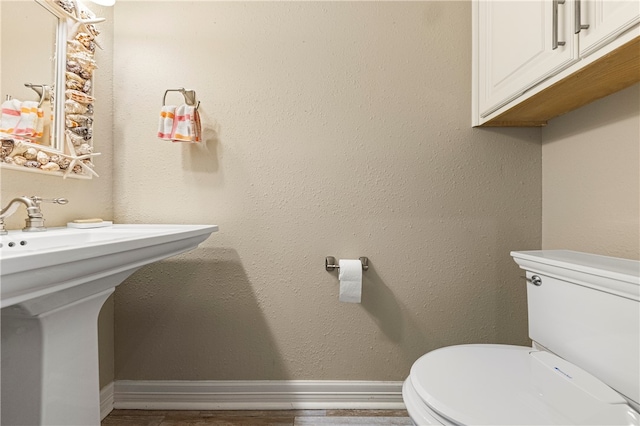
203 157
600 115
193 318
392 318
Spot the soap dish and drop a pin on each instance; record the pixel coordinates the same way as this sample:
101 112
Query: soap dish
102 224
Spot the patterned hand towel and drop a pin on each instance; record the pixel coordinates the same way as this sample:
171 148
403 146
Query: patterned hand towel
10 116
28 119
165 128
40 123
186 124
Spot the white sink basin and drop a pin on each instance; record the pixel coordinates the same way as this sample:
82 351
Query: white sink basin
18 243
52 286
37 264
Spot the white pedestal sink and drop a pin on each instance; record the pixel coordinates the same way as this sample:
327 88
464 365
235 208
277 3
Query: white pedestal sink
52 287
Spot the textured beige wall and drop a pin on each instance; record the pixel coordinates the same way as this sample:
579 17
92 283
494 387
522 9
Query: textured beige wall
87 198
332 128
591 178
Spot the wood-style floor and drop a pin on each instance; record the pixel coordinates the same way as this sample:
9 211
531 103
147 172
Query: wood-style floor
258 418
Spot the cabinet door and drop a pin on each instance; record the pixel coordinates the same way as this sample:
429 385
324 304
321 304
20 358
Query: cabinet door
515 49
607 19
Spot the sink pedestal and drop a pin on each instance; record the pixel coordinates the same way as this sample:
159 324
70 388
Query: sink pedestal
50 363
53 286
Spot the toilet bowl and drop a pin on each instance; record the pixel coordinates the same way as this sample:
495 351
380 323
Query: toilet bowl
583 307
508 385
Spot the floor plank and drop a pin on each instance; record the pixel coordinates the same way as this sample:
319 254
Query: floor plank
351 421
229 421
367 413
256 418
125 420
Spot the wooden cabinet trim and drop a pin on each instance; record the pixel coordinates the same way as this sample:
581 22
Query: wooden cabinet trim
613 72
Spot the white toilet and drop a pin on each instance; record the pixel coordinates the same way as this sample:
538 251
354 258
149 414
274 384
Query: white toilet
583 368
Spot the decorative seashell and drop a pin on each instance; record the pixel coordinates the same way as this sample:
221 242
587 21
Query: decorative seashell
73 84
92 29
19 160
87 41
75 139
84 149
7 147
31 154
42 157
75 46
50 167
81 131
87 71
63 162
74 81
86 88
88 46
74 67
8 160
74 76
84 59
83 120
86 14
32 163
80 57
86 74
82 37
73 107
68 6
19 148
77 169
90 109
70 122
78 96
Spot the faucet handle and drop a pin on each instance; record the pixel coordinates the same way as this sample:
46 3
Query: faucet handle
35 220
39 200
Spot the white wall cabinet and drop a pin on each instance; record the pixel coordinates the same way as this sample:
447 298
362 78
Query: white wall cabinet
525 51
515 46
607 20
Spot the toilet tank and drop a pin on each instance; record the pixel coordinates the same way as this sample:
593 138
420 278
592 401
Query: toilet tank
586 309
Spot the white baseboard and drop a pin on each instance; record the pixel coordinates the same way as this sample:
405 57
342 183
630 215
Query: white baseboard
256 395
106 400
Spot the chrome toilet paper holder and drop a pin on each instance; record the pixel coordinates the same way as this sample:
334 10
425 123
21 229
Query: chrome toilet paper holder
331 265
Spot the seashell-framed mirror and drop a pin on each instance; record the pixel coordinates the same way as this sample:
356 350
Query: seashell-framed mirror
49 129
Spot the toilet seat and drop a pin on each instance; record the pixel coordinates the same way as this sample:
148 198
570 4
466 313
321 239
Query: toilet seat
501 384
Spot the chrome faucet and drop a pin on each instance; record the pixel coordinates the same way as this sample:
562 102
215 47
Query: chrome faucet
34 220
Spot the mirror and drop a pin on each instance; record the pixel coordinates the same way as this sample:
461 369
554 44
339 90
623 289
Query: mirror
37 62
47 86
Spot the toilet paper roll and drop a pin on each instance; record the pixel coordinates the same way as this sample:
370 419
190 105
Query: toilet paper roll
350 280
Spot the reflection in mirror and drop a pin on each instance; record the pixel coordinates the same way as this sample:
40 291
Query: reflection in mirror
48 130
28 58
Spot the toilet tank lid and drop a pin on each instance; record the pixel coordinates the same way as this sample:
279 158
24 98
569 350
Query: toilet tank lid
611 274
